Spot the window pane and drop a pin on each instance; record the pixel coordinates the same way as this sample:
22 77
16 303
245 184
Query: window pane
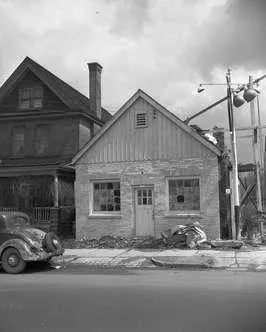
42 139
184 194
117 193
117 199
187 183
30 97
105 197
25 104
37 103
18 140
18 147
37 92
25 93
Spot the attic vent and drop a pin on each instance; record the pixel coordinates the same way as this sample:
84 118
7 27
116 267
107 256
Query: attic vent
141 120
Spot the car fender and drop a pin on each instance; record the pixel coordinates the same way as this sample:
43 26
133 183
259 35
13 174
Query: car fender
20 245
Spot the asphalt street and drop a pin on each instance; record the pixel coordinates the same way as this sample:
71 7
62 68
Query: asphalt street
85 299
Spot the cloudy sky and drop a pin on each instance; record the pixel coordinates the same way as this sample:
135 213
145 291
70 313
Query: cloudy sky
165 47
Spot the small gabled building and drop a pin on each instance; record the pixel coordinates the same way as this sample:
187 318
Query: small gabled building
145 172
43 124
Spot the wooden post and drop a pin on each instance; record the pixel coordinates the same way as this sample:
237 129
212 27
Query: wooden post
235 189
56 191
256 156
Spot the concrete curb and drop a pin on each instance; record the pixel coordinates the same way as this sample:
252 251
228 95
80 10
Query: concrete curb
174 258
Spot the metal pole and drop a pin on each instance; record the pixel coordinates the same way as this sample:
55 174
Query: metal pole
261 159
235 191
256 156
260 136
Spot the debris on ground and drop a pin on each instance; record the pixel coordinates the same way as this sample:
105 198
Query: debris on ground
115 242
226 244
109 241
148 242
189 236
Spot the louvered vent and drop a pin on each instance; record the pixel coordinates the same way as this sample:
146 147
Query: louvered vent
141 120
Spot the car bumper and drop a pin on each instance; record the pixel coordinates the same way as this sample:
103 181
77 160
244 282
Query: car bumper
42 256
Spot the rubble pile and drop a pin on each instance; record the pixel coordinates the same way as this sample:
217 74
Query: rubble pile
109 241
148 242
115 242
189 236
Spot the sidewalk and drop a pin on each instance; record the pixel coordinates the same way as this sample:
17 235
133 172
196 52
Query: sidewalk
254 260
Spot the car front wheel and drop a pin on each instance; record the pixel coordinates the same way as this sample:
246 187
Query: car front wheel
12 262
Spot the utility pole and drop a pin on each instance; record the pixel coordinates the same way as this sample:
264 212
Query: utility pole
256 157
233 98
235 189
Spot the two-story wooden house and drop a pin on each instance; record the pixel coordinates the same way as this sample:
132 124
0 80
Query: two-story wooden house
43 124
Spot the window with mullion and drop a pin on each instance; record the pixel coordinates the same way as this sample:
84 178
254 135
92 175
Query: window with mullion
30 97
42 139
106 196
18 140
184 194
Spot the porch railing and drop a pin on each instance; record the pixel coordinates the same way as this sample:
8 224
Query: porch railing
61 220
41 214
37 214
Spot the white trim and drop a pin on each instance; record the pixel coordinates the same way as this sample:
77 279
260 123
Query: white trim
93 213
134 189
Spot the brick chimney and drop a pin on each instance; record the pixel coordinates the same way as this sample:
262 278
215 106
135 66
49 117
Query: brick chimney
95 71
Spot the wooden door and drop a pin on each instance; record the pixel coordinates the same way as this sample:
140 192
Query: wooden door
144 211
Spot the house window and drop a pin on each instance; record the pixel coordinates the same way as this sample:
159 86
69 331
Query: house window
184 194
30 97
18 141
144 196
106 196
141 120
42 139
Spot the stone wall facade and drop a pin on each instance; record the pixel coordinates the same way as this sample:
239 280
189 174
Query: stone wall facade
154 173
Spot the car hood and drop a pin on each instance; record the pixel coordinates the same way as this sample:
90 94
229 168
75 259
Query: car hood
31 233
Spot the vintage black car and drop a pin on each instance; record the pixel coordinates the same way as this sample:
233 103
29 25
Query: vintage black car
20 243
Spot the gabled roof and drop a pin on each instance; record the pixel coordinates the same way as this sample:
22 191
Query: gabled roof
68 95
157 106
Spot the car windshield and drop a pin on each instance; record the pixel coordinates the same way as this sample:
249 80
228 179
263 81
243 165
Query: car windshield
18 221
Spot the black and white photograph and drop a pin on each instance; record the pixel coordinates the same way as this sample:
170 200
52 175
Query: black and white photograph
132 165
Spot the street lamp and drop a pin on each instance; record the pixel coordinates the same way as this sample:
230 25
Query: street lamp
234 99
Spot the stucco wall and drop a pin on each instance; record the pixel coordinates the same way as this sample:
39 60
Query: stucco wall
153 173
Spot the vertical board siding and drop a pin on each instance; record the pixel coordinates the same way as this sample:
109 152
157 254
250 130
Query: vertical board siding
161 139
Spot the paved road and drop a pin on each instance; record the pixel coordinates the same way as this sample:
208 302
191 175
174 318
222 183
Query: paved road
152 300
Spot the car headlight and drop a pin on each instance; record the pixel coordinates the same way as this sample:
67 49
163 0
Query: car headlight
55 242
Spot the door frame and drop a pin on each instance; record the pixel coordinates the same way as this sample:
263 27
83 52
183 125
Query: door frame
134 188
